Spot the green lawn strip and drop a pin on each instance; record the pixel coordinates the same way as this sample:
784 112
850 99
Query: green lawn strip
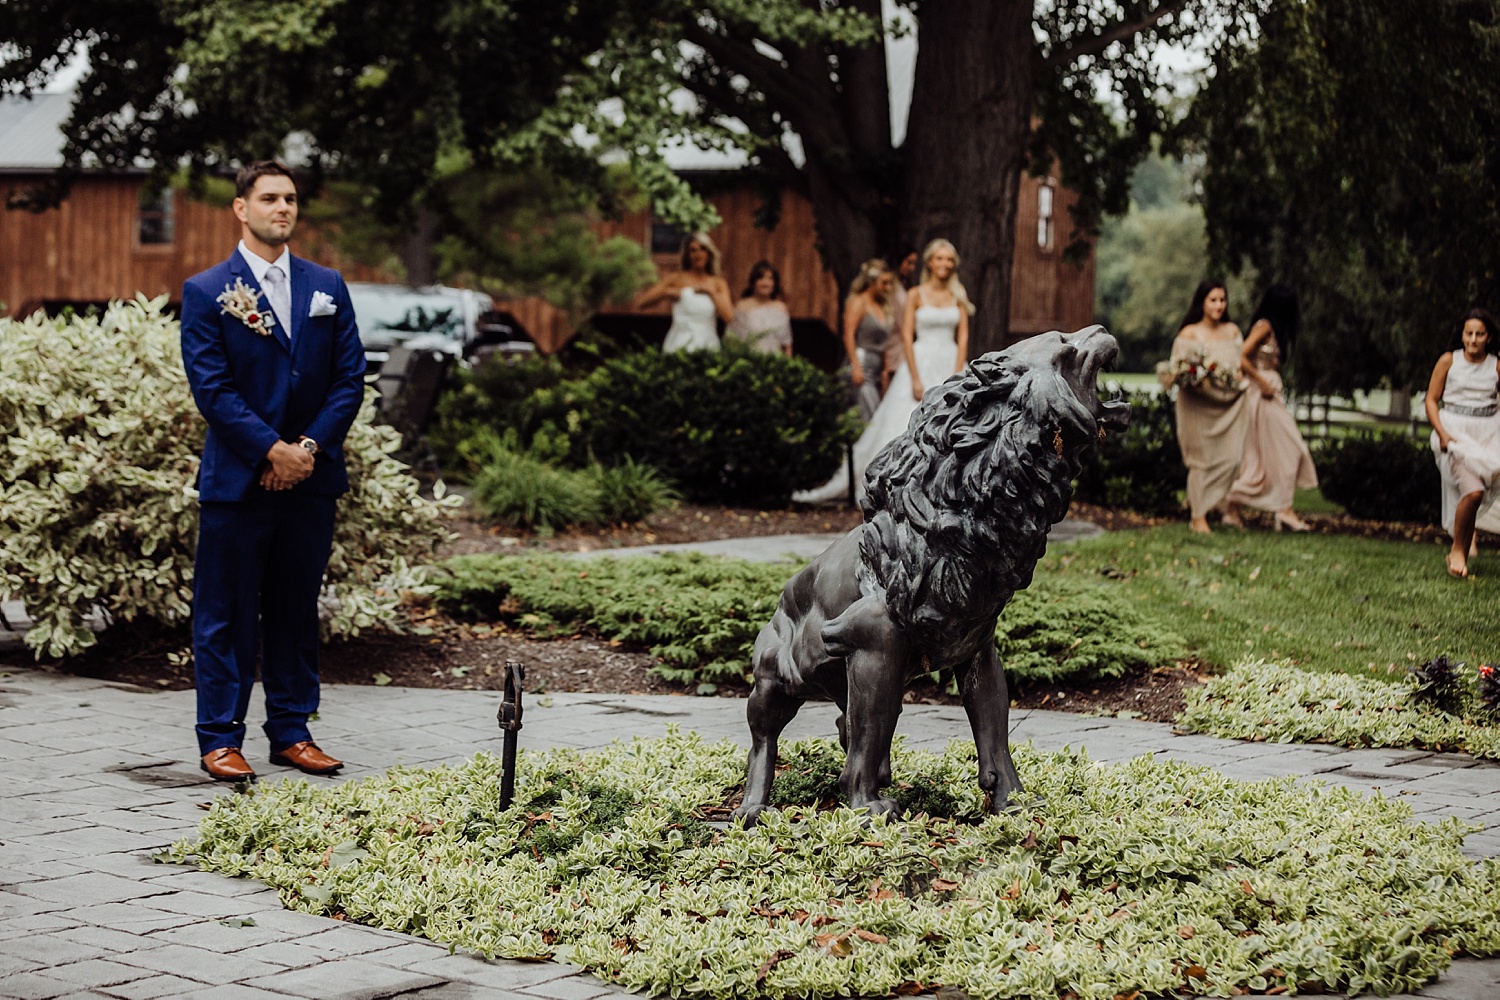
1261 700
1149 875
700 615
1325 602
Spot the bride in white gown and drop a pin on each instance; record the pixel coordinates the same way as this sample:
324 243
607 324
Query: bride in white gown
935 341
699 297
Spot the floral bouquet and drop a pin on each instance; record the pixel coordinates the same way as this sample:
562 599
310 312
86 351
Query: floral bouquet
1201 374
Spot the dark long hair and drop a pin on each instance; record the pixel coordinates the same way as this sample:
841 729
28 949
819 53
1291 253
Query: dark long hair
1279 308
758 270
1484 317
1195 308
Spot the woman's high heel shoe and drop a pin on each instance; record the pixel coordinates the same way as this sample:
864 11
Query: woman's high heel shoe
1291 522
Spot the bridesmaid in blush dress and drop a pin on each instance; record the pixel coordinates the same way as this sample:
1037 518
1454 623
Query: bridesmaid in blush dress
1210 420
1277 462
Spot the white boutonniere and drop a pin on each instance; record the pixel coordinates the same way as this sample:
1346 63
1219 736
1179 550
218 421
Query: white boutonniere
243 303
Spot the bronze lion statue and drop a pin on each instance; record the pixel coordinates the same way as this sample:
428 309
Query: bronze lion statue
957 511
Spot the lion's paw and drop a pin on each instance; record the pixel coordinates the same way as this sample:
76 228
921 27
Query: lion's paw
750 814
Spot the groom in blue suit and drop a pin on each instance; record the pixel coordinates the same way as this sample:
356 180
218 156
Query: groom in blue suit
276 366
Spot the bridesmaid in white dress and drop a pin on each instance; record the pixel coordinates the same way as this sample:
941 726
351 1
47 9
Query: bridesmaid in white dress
699 297
1466 433
935 341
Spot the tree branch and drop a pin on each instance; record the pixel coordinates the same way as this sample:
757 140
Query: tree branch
1117 32
810 116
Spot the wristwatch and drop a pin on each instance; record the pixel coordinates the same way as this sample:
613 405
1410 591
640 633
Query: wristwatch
308 445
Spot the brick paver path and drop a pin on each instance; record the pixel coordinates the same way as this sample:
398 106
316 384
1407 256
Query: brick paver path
94 777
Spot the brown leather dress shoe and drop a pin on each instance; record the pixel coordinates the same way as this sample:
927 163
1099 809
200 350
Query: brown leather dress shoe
227 764
306 757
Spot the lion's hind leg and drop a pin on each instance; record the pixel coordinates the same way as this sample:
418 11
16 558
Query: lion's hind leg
987 701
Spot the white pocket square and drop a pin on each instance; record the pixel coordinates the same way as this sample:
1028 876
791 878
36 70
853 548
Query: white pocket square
322 305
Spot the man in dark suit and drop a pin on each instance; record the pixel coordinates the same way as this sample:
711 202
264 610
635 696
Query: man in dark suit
276 366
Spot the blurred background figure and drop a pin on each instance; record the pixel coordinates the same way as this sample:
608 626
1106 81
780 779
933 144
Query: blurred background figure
867 332
907 266
1276 461
761 319
1210 415
1466 432
699 297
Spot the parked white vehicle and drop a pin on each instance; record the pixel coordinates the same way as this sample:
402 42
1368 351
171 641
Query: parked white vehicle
427 318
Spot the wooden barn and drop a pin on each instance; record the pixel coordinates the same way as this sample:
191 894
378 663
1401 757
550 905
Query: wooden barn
110 239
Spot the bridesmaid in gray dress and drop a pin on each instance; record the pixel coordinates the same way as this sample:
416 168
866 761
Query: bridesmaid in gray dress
867 331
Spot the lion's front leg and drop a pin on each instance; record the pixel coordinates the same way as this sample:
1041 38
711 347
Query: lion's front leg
770 708
987 700
876 682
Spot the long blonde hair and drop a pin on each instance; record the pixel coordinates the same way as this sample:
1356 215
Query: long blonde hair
714 257
870 272
954 285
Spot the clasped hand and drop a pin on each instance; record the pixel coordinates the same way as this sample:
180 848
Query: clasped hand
289 465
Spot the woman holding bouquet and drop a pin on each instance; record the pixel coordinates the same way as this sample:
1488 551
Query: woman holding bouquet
1211 414
1277 462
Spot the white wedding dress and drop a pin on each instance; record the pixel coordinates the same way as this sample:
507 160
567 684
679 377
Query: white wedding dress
694 323
936 350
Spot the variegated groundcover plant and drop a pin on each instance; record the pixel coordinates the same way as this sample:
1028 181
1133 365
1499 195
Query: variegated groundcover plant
1148 876
99 443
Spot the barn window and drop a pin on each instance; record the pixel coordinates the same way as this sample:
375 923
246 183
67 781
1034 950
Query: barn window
1045 225
155 218
665 238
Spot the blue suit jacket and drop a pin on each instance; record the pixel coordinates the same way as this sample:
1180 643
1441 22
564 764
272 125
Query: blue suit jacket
255 390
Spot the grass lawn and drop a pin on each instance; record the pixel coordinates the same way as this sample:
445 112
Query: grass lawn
1326 602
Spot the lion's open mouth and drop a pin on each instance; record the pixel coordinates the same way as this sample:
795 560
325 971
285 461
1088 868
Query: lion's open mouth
1097 352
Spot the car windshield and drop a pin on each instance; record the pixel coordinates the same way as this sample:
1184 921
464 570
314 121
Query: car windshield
388 315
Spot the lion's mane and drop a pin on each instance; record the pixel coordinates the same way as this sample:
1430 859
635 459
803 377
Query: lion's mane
958 507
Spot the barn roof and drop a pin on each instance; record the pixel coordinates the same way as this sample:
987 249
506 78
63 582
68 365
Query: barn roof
31 136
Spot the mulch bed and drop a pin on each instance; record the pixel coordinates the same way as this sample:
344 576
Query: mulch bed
466 657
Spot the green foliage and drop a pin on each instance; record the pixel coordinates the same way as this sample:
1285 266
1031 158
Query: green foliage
701 615
732 426
1381 476
1150 876
1275 701
1327 602
1055 630
97 506
1439 683
523 490
496 394
1349 155
1140 469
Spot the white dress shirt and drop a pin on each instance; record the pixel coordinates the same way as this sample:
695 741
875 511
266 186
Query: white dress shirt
259 266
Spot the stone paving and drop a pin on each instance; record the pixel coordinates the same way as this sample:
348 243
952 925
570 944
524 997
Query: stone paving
96 776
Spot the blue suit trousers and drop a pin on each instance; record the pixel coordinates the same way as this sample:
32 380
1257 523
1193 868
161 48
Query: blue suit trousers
257 575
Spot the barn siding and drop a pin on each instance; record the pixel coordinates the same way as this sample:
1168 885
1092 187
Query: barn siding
86 251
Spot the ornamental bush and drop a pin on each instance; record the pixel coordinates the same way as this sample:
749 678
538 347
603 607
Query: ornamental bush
1140 469
730 426
1382 476
97 507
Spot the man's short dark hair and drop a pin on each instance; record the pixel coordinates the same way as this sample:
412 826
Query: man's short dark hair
245 180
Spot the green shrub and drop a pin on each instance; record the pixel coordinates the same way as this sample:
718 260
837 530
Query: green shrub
522 489
97 506
730 426
1381 476
630 491
1140 469
701 615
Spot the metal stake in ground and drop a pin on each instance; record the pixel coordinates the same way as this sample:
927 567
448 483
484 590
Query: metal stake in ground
510 725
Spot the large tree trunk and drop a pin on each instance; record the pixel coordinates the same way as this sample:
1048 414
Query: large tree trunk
966 146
